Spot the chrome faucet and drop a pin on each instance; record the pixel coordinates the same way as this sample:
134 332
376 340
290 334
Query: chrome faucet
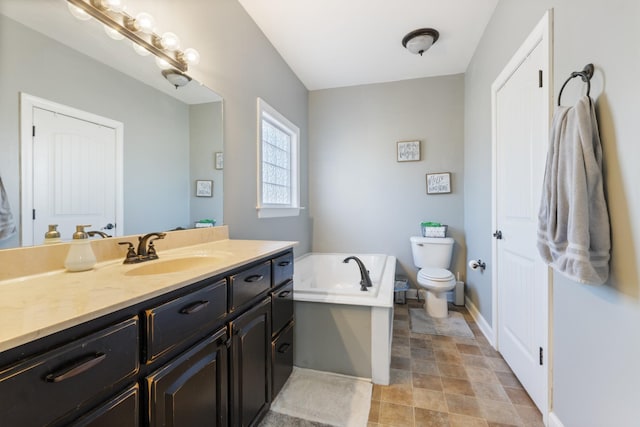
365 281
148 252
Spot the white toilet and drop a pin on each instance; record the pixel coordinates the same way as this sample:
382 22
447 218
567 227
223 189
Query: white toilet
432 255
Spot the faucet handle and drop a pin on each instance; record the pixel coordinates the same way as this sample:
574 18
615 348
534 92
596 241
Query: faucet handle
131 253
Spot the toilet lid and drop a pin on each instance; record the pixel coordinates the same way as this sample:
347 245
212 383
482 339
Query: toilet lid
435 274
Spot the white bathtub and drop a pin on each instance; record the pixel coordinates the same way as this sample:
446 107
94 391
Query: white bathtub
339 327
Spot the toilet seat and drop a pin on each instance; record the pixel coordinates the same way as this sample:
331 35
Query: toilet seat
435 275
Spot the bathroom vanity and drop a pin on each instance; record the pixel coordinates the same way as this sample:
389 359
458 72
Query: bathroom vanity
210 344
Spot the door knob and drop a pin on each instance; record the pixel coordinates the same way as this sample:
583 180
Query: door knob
109 227
498 234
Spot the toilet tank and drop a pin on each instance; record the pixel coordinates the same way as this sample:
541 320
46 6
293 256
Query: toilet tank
432 251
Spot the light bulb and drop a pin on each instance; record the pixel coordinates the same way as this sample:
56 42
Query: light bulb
162 63
170 41
140 50
114 34
113 5
191 56
145 22
78 13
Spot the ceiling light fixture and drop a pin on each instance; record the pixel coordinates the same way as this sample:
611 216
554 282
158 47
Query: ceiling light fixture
138 29
176 78
419 41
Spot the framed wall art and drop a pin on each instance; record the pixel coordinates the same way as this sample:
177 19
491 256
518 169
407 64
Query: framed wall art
408 151
439 183
204 188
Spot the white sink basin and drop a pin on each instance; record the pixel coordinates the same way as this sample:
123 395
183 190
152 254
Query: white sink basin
171 265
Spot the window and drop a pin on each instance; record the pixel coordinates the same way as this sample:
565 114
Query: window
278 164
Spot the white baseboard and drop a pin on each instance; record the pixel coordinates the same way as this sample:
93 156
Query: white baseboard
486 330
554 421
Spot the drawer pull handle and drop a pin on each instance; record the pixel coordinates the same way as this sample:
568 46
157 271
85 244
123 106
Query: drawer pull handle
284 347
254 278
284 263
195 307
283 294
82 365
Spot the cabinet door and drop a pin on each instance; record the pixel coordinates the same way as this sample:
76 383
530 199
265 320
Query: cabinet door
192 389
251 365
121 411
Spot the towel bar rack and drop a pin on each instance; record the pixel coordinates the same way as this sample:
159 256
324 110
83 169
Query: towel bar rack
585 74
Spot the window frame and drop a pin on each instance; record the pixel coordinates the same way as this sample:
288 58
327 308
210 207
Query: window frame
270 114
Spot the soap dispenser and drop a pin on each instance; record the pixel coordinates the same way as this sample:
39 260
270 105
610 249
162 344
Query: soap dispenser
53 235
80 257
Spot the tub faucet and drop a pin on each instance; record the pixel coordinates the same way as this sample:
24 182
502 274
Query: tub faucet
365 281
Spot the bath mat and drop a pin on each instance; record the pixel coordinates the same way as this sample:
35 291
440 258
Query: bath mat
276 419
454 325
325 398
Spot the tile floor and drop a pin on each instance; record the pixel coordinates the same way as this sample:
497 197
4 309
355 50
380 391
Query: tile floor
439 380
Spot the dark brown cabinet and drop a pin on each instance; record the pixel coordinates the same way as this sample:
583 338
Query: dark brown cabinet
191 390
213 353
251 365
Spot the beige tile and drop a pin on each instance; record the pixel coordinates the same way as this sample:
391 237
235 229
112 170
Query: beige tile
444 345
396 415
420 336
489 351
376 392
400 363
401 351
401 316
507 379
456 420
465 340
420 343
498 365
473 360
448 356
422 353
430 382
400 332
397 393
492 424
469 349
442 338
490 391
519 397
401 341
374 412
370 424
429 418
453 371
429 399
499 412
399 376
400 324
457 386
463 405
425 366
481 375
529 416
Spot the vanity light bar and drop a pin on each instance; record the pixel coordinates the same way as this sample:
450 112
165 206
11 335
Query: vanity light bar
122 22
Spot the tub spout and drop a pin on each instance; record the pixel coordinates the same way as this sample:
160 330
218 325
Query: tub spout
365 281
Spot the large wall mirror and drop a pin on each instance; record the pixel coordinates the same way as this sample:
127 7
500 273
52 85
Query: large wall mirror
172 137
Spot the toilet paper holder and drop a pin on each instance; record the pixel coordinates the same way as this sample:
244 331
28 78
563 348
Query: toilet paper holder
475 264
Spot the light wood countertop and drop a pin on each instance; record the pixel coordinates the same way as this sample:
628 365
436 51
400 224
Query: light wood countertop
35 306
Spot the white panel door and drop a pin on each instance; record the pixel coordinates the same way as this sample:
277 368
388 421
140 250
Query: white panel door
521 132
74 174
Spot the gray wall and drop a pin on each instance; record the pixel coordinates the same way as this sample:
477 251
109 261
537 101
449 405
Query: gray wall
361 198
156 144
596 339
205 132
239 63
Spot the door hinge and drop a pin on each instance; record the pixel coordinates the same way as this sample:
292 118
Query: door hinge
539 78
541 358
33 214
33 130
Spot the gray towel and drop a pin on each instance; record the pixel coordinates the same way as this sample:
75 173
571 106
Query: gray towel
7 225
573 222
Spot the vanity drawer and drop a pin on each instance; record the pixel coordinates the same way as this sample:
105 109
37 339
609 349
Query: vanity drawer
45 388
174 322
282 268
281 307
248 284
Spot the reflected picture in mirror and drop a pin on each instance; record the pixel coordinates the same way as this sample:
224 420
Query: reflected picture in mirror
169 135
